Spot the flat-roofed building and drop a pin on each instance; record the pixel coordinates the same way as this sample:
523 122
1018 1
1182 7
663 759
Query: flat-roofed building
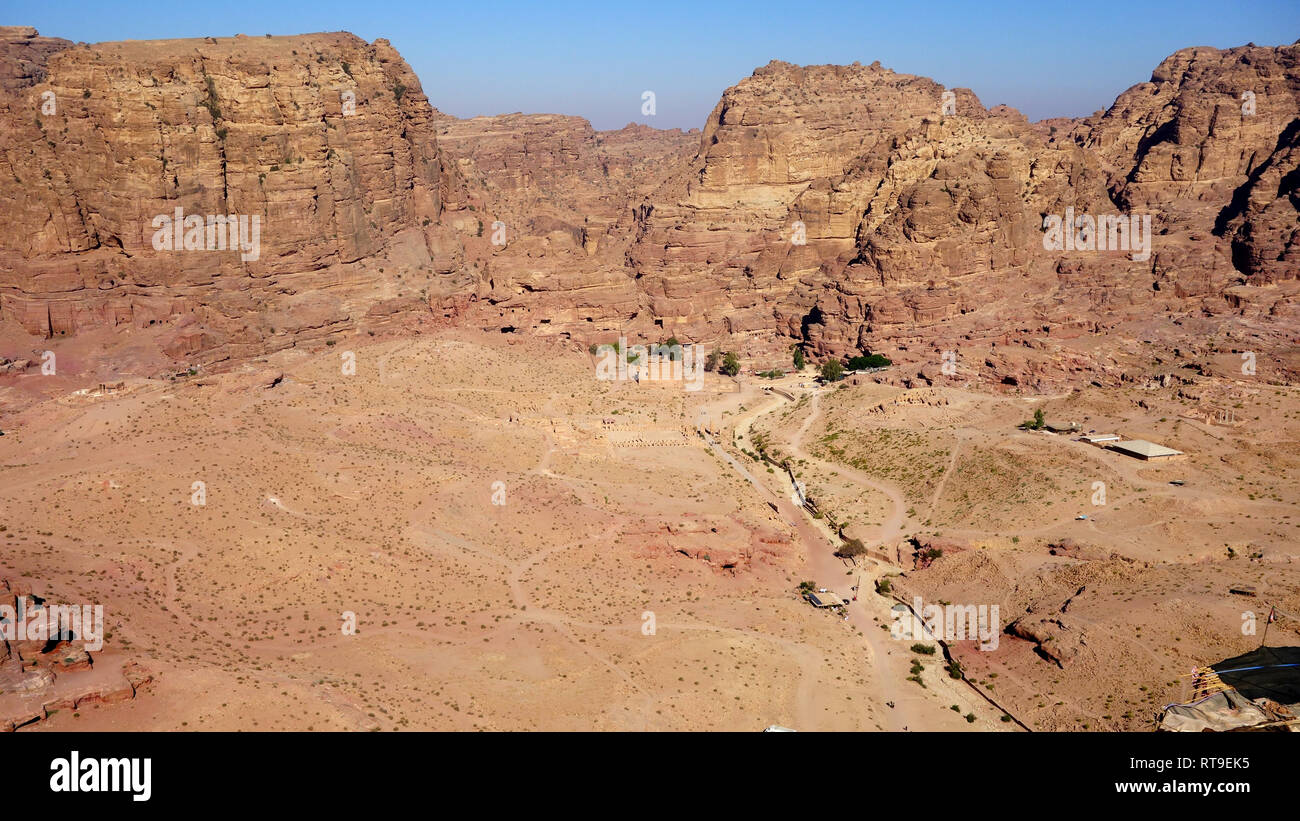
1142 449
1061 427
1099 438
825 600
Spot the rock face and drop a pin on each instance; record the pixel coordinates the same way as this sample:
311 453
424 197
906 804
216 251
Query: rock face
326 139
792 158
1261 219
39 676
25 53
553 216
845 208
1210 143
924 229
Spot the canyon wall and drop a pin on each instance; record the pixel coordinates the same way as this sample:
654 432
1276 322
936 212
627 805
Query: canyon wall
924 227
841 207
327 140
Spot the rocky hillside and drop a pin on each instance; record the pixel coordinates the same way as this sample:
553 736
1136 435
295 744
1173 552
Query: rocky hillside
843 207
555 199
924 227
327 139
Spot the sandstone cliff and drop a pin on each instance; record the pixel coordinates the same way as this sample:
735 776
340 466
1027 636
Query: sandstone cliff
328 140
553 200
923 227
844 208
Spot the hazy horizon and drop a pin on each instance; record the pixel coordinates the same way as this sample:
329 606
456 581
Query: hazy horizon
587 60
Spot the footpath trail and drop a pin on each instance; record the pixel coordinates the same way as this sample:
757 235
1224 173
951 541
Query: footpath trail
914 708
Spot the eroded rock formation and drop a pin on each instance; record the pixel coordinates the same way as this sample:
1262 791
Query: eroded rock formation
328 140
845 208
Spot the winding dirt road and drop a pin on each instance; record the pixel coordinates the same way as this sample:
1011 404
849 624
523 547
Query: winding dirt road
914 708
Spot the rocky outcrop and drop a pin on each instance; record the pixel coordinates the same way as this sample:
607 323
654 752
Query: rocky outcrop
1199 126
327 141
25 53
538 172
1261 219
845 208
1055 639
1210 143
552 221
924 228
53 671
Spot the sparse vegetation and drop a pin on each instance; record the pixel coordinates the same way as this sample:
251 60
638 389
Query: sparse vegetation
1036 423
730 365
873 360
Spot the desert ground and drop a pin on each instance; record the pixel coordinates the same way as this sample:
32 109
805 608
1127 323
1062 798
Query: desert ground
629 577
1113 582
524 546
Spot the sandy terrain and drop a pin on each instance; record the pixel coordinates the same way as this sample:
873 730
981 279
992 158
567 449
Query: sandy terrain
373 493
1126 601
527 547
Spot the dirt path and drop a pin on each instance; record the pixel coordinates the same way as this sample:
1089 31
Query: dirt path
913 708
893 528
943 480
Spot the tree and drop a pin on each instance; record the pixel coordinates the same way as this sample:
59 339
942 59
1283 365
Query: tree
871 360
799 360
832 370
730 364
671 349
851 548
1036 423
711 361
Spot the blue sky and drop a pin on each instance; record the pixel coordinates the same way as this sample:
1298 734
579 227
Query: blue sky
595 59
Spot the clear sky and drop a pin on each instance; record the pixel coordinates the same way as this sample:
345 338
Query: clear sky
595 59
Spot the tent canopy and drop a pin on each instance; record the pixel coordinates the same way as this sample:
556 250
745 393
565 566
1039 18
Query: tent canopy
1268 672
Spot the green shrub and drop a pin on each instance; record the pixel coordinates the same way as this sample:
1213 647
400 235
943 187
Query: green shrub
832 370
730 364
851 548
1036 423
871 360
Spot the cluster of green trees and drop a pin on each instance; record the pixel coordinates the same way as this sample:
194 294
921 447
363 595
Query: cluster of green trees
671 349
871 360
833 370
726 364
1036 423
